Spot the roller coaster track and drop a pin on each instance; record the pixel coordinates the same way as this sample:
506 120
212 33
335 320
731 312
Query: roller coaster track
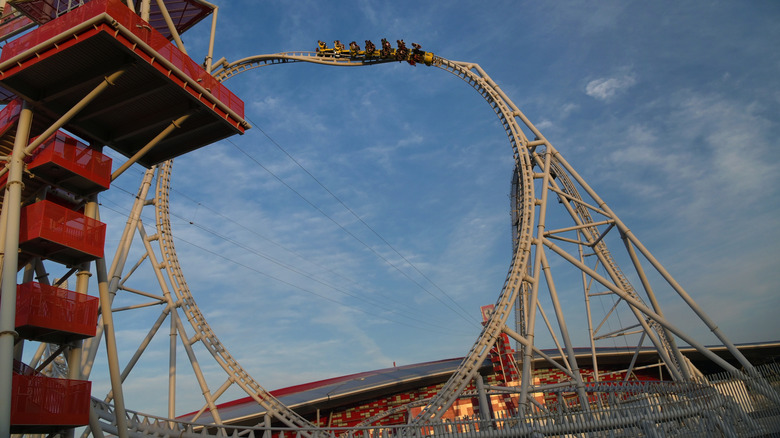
529 214
202 329
582 216
224 70
472 74
508 114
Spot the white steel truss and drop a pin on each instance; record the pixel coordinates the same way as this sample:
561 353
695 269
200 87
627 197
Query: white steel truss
558 220
544 185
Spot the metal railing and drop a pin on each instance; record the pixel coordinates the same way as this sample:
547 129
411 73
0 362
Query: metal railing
721 406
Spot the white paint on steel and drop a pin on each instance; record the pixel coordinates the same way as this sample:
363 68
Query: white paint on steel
523 275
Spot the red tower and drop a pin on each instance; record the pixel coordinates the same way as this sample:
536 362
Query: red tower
97 75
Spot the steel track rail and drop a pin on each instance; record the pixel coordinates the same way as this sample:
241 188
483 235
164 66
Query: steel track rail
506 111
512 120
226 70
203 330
581 214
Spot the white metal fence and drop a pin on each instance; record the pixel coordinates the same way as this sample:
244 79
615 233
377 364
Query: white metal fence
723 406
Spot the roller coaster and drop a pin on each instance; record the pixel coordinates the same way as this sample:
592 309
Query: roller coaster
387 52
544 186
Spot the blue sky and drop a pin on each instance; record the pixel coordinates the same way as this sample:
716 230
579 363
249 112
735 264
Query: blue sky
670 111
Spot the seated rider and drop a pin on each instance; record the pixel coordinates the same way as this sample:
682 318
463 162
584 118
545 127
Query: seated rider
354 49
370 48
386 48
402 52
321 46
417 54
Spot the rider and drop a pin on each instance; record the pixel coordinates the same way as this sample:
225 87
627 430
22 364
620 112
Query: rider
386 48
417 54
370 47
321 46
402 53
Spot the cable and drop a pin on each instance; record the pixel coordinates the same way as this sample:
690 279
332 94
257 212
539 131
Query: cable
304 274
278 245
388 262
346 207
442 329
286 266
471 321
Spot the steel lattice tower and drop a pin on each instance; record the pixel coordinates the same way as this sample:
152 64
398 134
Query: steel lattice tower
560 226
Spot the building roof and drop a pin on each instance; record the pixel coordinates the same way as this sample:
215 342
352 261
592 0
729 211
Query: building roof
337 391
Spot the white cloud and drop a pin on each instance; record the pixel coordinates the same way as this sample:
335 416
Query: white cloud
608 87
739 151
688 170
545 124
567 109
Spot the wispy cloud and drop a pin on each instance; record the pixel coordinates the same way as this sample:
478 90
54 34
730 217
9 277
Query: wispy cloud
606 88
736 139
688 160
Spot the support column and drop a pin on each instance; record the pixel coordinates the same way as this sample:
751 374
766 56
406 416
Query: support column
526 379
111 350
8 335
575 370
3 221
145 10
74 352
686 371
117 265
172 29
484 406
172 368
29 273
141 152
210 55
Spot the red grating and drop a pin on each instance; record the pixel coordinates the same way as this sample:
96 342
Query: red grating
159 84
56 233
183 13
43 404
42 11
116 10
9 115
12 22
64 161
50 314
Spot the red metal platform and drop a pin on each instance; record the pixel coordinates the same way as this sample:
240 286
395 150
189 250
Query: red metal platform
159 85
39 11
61 160
56 233
183 13
50 314
65 162
42 404
9 117
13 23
